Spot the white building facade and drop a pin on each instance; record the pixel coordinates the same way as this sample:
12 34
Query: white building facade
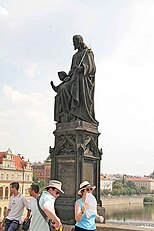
13 168
105 183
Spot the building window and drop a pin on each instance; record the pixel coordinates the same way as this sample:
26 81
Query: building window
6 193
1 193
2 176
5 208
7 176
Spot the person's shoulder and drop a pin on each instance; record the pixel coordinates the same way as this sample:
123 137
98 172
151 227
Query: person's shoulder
32 199
22 196
45 194
78 201
11 198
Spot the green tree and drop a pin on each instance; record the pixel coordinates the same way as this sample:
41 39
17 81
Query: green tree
35 177
131 185
117 185
41 183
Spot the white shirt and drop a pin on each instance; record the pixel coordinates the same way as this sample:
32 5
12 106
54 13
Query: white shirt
16 205
38 223
31 204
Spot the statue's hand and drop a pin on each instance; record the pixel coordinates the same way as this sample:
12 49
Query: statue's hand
51 83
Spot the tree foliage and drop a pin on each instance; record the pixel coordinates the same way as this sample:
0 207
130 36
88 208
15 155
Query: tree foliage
149 199
41 183
124 187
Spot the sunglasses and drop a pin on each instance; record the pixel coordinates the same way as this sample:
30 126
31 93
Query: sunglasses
89 189
57 193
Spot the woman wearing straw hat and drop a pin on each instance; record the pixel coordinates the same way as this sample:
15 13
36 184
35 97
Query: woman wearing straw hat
82 221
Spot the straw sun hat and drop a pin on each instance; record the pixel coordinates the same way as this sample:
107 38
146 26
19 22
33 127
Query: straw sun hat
84 185
55 184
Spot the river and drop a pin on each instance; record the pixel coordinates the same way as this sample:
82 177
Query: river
138 214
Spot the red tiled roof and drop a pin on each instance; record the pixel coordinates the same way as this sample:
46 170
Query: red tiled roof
19 163
2 155
105 178
138 179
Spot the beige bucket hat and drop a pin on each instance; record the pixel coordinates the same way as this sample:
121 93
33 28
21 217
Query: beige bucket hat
84 185
55 184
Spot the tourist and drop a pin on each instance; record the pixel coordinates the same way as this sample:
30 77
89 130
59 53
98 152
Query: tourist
44 208
13 214
34 193
82 221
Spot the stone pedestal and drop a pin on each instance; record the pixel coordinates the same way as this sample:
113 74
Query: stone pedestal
75 158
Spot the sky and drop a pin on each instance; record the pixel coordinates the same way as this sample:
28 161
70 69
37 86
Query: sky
36 43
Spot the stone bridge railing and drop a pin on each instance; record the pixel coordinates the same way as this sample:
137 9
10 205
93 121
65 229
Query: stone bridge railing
109 227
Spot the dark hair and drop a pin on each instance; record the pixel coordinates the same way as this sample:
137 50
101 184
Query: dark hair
80 39
15 185
82 191
35 187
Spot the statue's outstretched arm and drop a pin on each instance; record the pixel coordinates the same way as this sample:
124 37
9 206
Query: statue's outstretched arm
53 86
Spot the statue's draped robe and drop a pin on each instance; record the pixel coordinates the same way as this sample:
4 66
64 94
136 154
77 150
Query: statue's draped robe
57 106
77 95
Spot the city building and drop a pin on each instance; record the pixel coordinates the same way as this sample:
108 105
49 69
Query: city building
140 182
13 168
42 170
105 183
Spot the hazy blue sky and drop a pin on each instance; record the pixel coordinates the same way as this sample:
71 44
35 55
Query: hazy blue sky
36 43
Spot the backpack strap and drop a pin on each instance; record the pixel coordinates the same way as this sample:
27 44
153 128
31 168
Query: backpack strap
41 210
51 228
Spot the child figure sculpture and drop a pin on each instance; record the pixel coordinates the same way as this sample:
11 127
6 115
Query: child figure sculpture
58 111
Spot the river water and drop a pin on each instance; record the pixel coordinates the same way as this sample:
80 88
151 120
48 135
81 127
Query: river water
138 214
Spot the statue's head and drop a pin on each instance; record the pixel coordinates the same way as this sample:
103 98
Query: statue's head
62 75
79 38
78 41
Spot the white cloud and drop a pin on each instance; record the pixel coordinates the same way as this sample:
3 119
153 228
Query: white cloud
36 41
14 95
32 70
25 107
3 12
125 86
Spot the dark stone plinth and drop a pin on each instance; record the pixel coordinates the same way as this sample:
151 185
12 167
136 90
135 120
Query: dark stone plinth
77 125
75 158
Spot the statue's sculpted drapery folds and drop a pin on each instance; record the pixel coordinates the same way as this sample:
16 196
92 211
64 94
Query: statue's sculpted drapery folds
77 94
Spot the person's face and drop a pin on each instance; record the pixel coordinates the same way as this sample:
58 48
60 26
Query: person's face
76 43
88 190
54 192
12 190
30 191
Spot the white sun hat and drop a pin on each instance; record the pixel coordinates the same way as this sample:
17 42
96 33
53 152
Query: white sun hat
83 185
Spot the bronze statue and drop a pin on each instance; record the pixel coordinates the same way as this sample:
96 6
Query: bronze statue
76 93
